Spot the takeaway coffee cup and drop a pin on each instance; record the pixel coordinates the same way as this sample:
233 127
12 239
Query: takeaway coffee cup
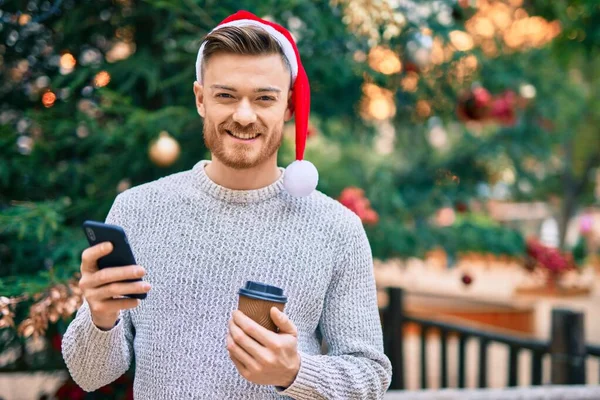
256 300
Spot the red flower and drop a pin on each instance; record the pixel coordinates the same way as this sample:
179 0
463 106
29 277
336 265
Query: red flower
550 258
370 217
354 198
462 207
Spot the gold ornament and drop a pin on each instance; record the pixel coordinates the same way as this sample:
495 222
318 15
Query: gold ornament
164 151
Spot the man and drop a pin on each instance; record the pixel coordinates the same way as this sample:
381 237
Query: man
201 234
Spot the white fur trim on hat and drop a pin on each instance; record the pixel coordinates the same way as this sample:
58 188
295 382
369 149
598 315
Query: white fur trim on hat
286 46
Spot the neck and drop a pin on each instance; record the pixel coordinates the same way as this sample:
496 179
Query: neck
243 179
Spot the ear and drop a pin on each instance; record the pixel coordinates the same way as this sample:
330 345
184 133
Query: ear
289 111
199 95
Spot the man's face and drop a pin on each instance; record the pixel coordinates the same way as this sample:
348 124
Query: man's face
244 103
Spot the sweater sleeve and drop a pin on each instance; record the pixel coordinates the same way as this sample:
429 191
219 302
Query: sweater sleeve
93 356
355 366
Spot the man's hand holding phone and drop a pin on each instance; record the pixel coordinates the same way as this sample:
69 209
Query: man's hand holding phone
104 288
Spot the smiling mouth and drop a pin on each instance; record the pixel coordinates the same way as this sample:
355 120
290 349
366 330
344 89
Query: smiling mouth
243 136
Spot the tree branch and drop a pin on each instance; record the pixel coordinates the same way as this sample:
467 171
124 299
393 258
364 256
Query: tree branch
592 161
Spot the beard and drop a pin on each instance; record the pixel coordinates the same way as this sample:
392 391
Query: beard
241 155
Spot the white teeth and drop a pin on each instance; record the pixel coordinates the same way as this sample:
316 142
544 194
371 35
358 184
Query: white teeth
245 136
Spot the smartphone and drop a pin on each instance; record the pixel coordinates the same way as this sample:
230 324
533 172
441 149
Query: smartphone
122 255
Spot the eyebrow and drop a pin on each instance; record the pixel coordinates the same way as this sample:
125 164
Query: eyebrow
257 90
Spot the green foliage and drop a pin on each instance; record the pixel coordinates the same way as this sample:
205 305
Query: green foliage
468 234
580 251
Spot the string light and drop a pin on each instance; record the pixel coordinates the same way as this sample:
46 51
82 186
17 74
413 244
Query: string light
423 108
24 19
410 82
512 24
359 56
25 145
67 63
377 103
527 91
120 51
48 99
384 60
101 79
462 41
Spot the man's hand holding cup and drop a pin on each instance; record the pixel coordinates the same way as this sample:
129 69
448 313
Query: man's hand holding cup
262 356
262 341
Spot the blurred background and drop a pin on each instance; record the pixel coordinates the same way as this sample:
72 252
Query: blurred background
464 133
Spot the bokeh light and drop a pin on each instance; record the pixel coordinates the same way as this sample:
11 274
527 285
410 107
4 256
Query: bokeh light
384 60
377 103
48 99
101 79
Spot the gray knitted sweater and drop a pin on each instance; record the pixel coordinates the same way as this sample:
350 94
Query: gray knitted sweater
200 243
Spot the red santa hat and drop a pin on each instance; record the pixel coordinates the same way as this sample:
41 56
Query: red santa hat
301 177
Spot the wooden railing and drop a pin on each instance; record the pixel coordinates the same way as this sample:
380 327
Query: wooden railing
566 347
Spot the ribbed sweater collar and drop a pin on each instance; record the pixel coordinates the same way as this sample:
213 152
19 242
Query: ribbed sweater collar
235 196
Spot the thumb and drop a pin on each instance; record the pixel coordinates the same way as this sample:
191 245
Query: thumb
282 321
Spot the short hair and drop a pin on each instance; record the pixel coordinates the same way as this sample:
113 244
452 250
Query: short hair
242 40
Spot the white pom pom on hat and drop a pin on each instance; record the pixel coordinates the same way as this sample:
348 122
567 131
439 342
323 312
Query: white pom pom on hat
301 176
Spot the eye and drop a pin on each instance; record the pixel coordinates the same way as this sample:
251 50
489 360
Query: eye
267 98
224 95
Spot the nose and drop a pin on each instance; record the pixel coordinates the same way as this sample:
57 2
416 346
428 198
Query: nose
244 114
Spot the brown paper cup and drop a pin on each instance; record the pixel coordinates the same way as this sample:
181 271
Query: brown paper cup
259 311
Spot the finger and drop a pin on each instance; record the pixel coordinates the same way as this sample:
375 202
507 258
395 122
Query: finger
248 344
237 353
90 256
239 365
114 305
118 289
282 321
257 332
115 274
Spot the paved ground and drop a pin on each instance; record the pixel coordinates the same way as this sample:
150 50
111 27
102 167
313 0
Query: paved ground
539 393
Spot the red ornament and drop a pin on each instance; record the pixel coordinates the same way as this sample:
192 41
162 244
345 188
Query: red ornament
462 207
474 105
503 108
411 67
466 279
